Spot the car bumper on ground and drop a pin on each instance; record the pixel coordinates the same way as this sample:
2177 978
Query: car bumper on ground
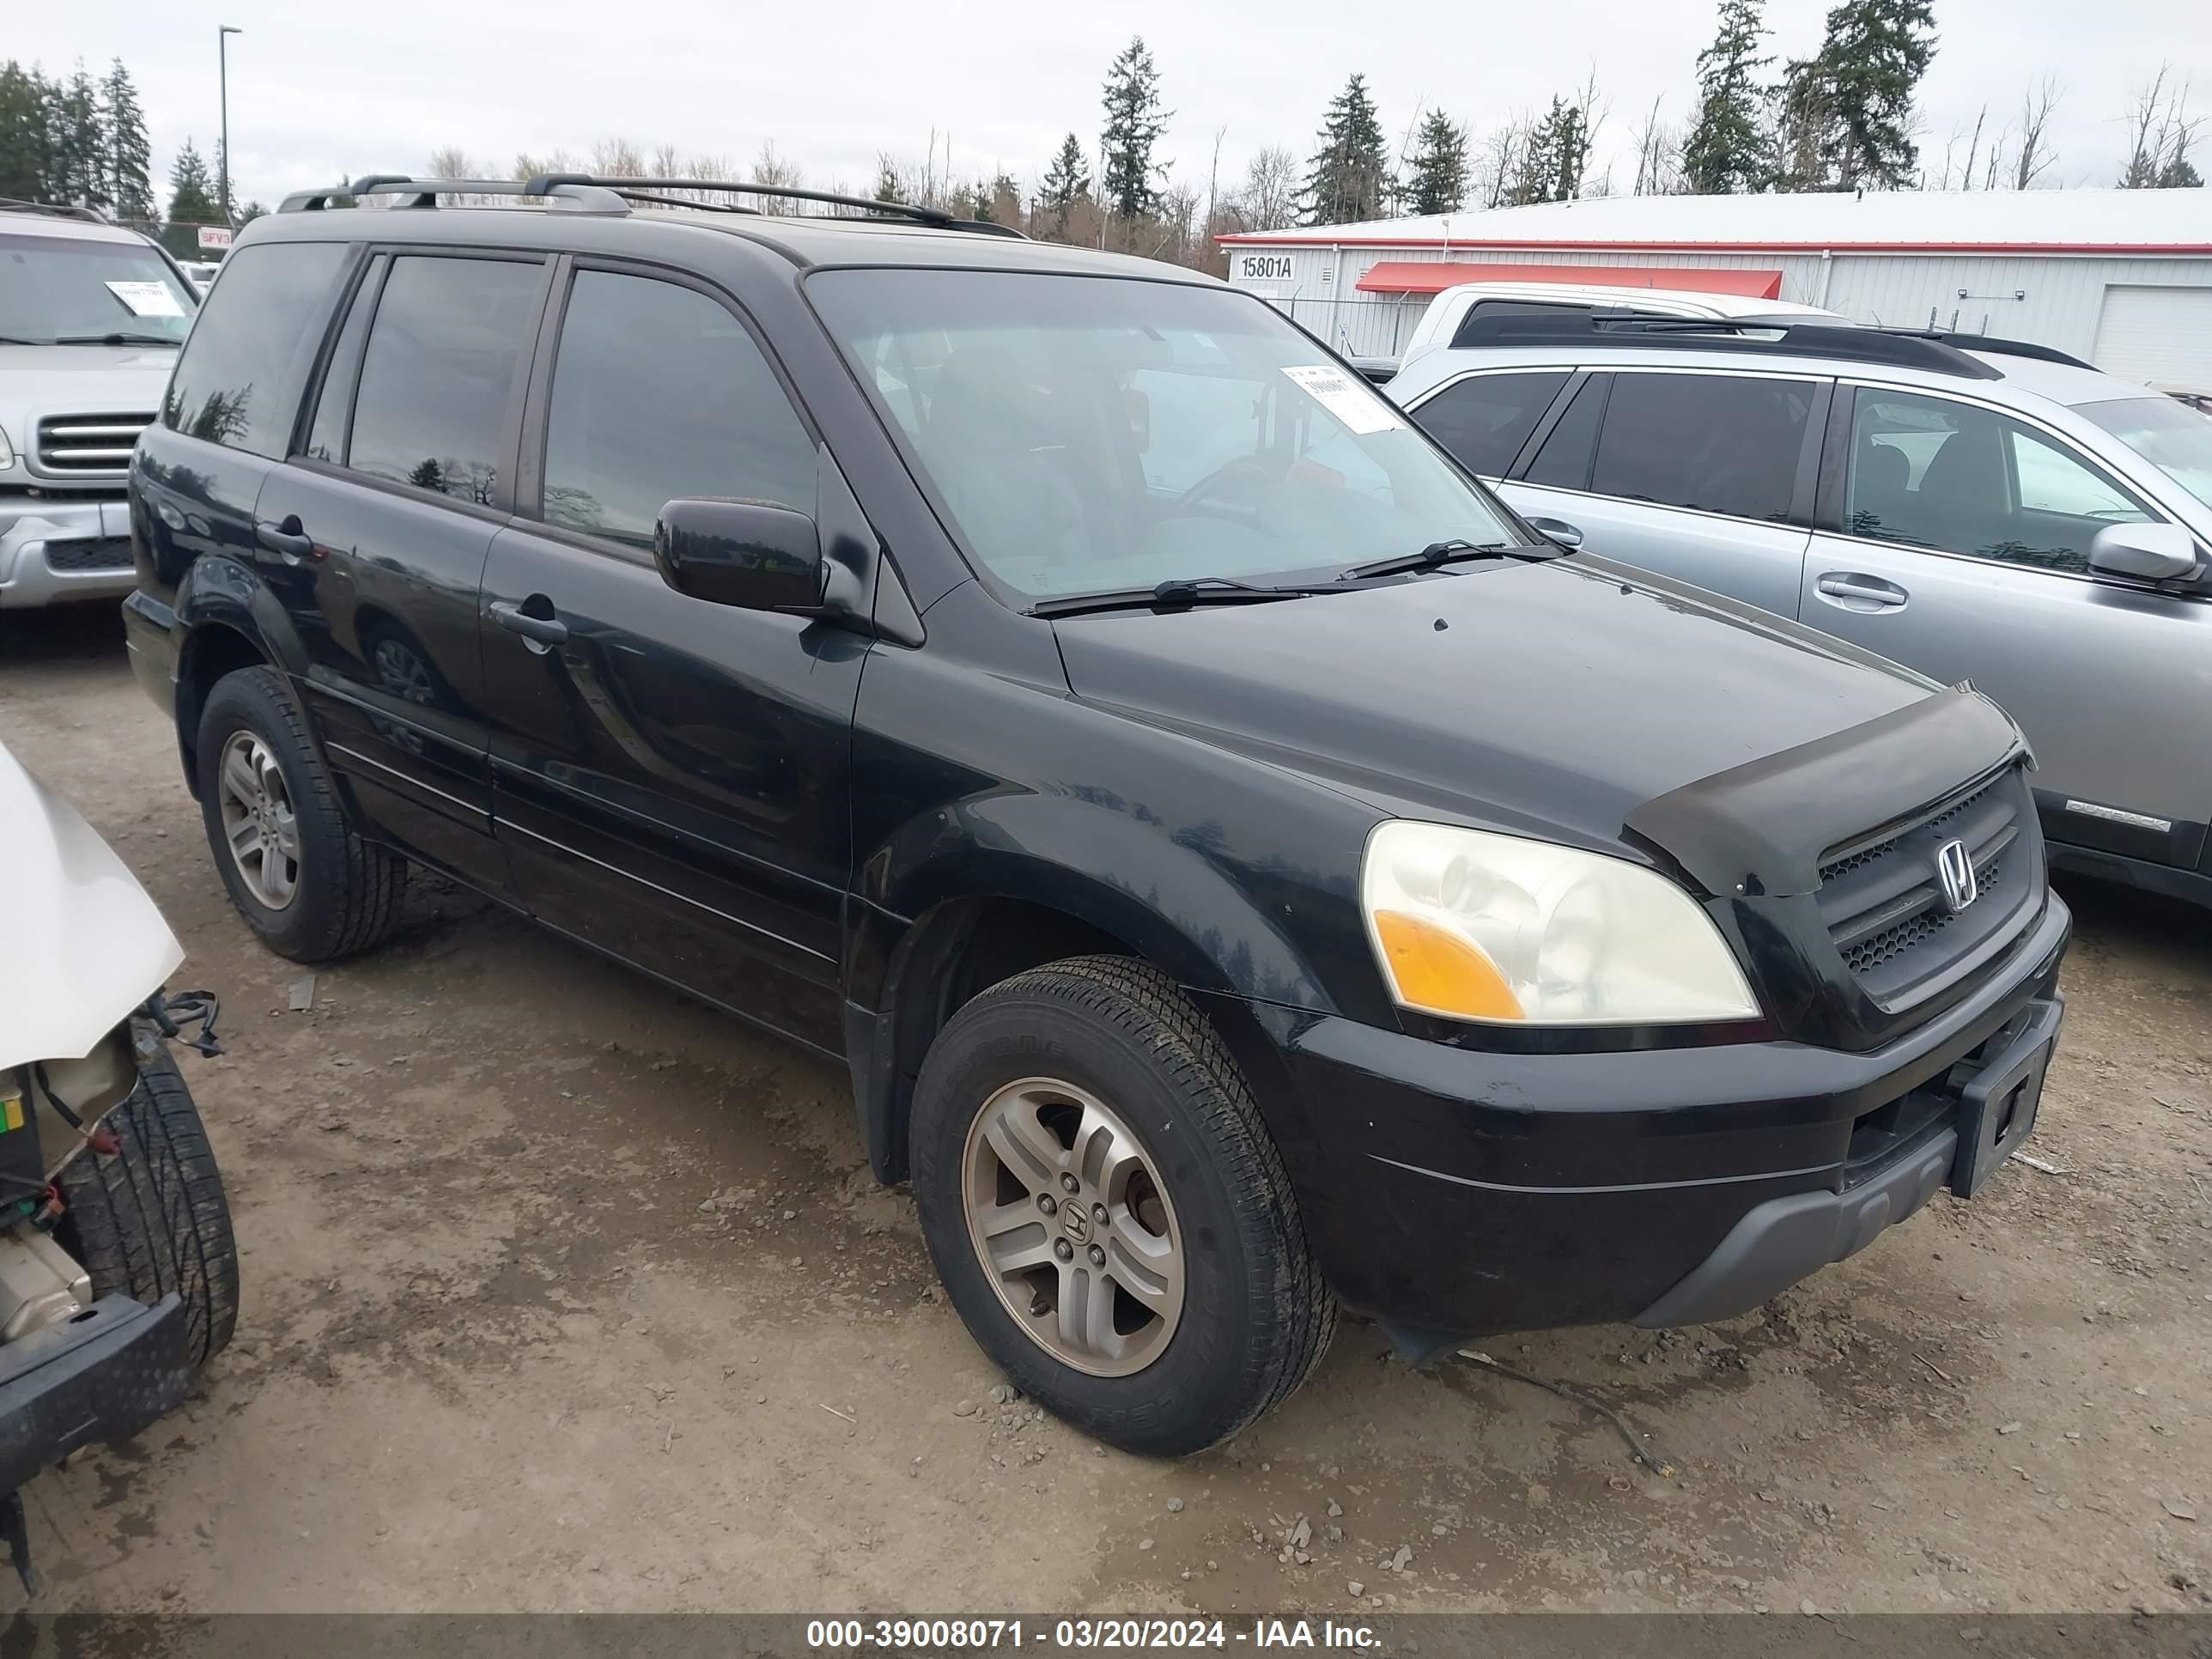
1453 1192
54 550
104 1373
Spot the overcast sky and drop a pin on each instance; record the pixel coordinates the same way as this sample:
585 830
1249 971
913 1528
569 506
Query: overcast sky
317 93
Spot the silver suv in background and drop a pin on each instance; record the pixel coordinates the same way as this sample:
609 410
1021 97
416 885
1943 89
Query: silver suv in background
91 316
1980 510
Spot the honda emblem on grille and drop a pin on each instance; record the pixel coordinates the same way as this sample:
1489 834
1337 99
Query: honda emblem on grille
1955 870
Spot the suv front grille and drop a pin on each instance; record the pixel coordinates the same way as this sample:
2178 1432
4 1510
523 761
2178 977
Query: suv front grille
88 443
1882 902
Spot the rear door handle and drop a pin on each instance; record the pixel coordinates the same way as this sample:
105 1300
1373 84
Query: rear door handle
287 538
540 630
1852 591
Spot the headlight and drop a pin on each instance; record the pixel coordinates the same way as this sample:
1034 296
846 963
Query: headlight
1504 930
7 455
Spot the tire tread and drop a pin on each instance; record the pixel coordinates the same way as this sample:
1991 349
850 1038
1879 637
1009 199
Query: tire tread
153 1217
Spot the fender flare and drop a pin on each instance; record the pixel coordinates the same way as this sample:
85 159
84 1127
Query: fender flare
1168 898
222 595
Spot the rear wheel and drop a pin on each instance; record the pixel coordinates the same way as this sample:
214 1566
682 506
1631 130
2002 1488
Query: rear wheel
1108 1211
310 887
152 1217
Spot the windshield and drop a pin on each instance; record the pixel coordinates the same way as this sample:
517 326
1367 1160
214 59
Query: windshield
2173 437
60 289
1093 435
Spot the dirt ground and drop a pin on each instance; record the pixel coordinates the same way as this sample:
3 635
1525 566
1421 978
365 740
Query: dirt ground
501 1348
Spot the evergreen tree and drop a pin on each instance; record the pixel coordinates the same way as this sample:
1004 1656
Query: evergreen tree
191 203
1349 179
2180 173
130 158
1869 67
23 142
1066 181
1805 132
79 147
887 179
1553 158
1134 121
1727 152
1438 181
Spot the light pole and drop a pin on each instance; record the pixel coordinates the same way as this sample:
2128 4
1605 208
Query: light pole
222 34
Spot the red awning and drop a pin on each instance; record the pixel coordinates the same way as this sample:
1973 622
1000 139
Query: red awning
1422 276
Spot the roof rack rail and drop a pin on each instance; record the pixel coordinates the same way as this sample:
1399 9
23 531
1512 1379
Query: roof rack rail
642 190
595 194
57 209
1844 341
1994 344
425 193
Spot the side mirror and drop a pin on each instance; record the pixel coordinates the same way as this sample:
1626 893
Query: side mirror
748 554
2148 552
1557 530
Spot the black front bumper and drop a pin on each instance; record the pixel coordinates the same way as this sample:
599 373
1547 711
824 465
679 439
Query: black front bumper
103 1375
1453 1192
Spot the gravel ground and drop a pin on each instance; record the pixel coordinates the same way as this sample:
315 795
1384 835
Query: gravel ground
560 1293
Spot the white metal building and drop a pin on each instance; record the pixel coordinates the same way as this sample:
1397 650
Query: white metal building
2123 277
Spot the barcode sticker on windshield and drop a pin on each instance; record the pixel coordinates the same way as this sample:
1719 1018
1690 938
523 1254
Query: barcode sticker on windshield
147 299
1360 409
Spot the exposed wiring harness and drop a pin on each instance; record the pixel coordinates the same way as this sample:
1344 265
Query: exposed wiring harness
171 1013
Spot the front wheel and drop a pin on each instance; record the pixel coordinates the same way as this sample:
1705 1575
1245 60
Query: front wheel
1108 1211
152 1217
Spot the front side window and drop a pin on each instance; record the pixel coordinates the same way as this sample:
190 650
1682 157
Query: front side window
445 354
1088 434
239 381
1485 419
70 290
1720 443
1931 472
2173 437
660 393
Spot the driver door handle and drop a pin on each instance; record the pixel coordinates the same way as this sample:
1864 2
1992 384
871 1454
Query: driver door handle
542 630
1868 591
288 538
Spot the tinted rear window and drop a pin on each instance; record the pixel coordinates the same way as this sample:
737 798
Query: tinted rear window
445 354
1483 421
239 381
1711 441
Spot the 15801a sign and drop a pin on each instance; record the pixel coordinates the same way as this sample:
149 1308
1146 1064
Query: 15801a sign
1263 267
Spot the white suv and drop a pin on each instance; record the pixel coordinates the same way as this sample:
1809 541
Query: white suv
1451 308
91 316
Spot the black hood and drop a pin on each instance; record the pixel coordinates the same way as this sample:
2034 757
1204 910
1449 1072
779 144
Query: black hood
1554 697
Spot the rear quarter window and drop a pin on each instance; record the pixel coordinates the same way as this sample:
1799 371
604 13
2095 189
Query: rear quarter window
246 362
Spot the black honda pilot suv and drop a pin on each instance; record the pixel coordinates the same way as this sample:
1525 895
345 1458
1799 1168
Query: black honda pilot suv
1245 868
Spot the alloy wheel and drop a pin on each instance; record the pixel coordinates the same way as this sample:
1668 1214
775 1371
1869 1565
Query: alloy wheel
1073 1226
258 825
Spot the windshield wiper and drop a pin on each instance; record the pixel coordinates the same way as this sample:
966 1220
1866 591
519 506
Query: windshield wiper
1449 551
116 339
1179 593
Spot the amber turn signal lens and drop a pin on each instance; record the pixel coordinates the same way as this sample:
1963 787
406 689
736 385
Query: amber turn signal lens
1441 972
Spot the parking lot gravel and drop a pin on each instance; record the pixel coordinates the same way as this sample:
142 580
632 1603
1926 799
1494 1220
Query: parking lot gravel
563 1293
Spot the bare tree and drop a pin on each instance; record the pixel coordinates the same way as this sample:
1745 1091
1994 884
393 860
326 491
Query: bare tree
1268 198
1498 161
2163 132
1658 156
453 162
616 158
2035 156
